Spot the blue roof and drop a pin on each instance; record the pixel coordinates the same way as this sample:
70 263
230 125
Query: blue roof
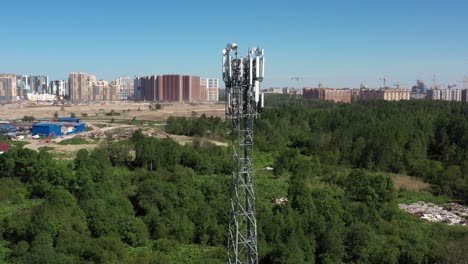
69 119
47 124
7 127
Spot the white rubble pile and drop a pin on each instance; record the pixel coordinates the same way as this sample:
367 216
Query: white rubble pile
454 214
282 200
458 209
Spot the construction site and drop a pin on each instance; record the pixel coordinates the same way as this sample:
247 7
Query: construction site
41 125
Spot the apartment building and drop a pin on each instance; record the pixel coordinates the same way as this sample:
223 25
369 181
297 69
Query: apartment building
335 95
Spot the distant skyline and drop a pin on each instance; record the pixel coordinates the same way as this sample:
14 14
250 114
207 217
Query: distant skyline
339 43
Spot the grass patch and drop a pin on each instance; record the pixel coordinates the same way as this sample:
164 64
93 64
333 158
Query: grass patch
409 197
171 251
267 185
101 125
8 208
19 144
64 155
46 148
75 141
403 182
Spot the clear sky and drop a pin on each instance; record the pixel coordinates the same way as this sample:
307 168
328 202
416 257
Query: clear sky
340 43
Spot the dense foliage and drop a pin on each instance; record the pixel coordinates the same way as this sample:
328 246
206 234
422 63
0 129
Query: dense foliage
149 200
211 127
427 139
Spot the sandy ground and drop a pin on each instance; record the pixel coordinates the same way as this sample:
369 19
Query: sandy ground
97 111
69 151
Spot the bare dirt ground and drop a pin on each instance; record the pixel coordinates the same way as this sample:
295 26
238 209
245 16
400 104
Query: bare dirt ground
98 111
409 183
96 114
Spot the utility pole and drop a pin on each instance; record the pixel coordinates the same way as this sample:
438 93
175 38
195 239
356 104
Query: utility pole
244 102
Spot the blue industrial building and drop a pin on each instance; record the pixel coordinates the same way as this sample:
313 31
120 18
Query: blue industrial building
8 130
45 129
59 128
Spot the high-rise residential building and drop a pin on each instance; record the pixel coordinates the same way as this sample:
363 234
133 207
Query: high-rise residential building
335 95
137 88
8 87
464 95
194 89
172 88
212 88
445 94
23 82
39 84
149 88
125 88
384 94
103 91
59 88
81 86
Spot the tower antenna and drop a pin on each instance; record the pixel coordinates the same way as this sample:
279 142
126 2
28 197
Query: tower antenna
244 103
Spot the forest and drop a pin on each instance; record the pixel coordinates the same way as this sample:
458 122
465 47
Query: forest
149 200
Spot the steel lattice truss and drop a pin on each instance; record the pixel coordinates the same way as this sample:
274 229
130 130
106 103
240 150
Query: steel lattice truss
243 104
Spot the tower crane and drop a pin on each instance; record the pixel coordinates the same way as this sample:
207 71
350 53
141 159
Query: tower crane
398 85
384 79
465 82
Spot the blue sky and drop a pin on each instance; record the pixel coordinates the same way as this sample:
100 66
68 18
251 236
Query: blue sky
340 43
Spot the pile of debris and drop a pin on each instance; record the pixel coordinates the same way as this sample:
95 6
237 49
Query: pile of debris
282 200
458 209
453 214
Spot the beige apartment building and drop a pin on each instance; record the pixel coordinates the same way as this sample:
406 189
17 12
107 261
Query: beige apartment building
81 86
8 87
445 94
335 95
384 94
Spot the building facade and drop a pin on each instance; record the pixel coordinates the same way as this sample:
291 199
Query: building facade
23 83
59 88
212 88
464 95
81 86
445 94
103 91
172 88
40 84
384 94
8 87
335 95
125 88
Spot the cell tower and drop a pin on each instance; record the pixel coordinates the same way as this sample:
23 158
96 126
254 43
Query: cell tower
244 102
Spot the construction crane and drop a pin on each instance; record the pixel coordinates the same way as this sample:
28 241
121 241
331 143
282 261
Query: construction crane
435 82
465 82
384 79
297 79
398 85
320 84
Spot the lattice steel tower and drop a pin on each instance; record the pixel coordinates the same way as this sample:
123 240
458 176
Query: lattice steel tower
243 104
